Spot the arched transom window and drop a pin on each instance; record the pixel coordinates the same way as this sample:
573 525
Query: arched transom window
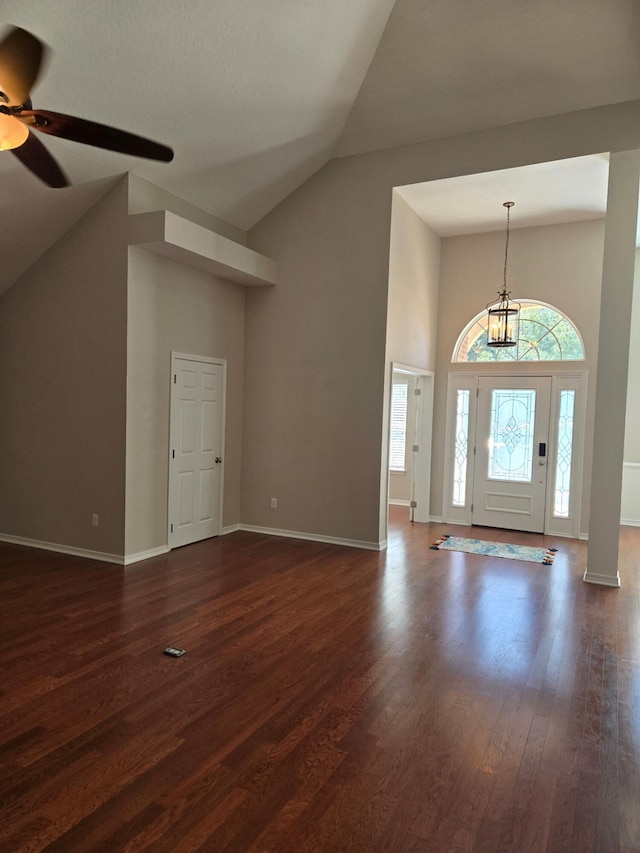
545 335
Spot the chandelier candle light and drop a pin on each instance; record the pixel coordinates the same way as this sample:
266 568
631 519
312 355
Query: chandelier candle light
503 319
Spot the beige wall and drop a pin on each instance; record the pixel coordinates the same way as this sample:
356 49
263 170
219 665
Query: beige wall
62 385
400 486
172 307
557 264
90 327
145 197
412 320
315 361
319 337
414 283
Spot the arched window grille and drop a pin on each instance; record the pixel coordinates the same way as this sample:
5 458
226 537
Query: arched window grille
545 335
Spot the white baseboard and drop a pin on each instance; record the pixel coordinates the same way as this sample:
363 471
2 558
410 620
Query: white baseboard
602 580
63 549
583 536
630 522
115 559
398 502
146 555
313 537
435 519
557 535
129 559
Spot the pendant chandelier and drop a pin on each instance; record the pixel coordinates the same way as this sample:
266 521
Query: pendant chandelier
503 317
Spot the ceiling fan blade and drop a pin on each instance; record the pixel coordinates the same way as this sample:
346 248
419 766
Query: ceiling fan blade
100 135
20 61
35 157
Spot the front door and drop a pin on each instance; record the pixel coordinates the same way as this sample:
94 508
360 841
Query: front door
195 475
511 448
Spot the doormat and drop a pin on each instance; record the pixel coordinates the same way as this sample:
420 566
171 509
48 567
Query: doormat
495 549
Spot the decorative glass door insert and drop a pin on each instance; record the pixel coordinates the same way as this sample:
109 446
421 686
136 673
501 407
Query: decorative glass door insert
460 450
562 491
511 432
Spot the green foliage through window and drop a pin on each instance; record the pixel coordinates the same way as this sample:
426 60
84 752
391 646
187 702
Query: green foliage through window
545 335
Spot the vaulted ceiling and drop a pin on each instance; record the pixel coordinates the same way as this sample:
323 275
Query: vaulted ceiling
254 96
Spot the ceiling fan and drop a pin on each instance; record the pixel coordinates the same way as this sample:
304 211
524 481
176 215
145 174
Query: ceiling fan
21 57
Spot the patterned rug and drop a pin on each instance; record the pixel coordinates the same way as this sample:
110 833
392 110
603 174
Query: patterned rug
495 549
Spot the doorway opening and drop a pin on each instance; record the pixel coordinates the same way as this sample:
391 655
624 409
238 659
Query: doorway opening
411 420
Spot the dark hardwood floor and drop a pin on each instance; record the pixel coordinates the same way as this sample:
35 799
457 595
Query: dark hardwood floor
331 700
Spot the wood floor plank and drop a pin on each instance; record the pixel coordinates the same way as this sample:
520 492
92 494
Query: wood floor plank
331 700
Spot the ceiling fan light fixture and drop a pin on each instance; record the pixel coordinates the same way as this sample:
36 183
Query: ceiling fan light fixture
13 133
20 62
503 317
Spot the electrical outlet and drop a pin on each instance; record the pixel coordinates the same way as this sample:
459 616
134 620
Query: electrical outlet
274 503
95 519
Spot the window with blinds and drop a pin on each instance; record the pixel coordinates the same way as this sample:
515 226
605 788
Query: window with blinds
398 443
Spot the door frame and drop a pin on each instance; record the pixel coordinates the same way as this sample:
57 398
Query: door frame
560 380
419 434
201 359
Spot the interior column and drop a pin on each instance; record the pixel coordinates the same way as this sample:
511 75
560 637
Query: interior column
613 365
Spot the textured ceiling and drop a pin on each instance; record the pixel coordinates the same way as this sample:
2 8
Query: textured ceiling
252 95
543 194
446 67
255 95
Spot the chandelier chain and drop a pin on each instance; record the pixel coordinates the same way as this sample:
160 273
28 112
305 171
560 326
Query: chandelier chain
508 205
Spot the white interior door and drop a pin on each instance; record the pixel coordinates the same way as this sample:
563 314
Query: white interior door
195 465
511 447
